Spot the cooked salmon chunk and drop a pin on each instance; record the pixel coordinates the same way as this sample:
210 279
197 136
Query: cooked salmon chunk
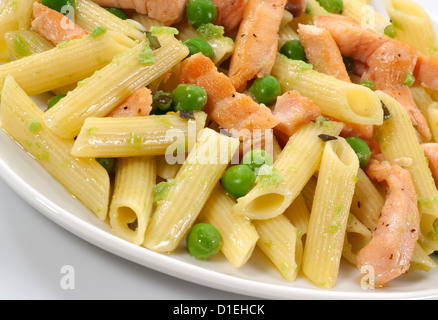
256 41
227 107
54 26
431 152
392 246
166 11
322 51
138 104
229 13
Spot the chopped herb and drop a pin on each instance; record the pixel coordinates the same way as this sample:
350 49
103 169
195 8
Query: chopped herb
267 176
186 114
161 189
146 55
133 225
98 31
326 137
153 41
369 84
386 113
210 31
34 125
165 30
409 79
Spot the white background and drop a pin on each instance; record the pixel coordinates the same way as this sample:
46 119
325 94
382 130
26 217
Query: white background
33 250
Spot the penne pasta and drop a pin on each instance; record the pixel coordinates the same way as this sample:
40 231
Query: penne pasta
279 241
193 185
298 161
21 44
329 215
89 15
364 13
413 26
48 70
336 98
84 178
239 236
133 197
398 140
99 94
139 136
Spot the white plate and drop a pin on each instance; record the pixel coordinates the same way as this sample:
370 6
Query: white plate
258 278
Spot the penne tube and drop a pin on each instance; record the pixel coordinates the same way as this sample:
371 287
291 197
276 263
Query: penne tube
357 236
239 237
397 139
364 13
89 15
193 185
139 136
133 197
274 192
279 241
21 44
48 70
428 107
329 215
337 99
413 26
107 88
84 178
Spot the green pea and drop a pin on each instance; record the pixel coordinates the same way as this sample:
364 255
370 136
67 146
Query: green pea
108 163
238 180
362 150
161 102
204 241
389 31
54 100
265 90
197 45
257 158
293 49
199 12
59 4
332 6
189 97
118 13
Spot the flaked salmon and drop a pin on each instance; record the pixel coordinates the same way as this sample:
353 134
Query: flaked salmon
256 41
227 107
389 67
229 13
166 11
392 246
322 51
54 26
293 110
138 104
431 152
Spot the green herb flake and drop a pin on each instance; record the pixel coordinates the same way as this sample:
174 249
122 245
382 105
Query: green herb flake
210 31
98 31
34 125
162 189
146 55
164 30
368 84
389 31
21 47
409 79
267 176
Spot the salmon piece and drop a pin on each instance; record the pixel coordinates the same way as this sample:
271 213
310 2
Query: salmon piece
138 104
322 51
388 67
296 7
365 132
54 26
353 40
230 109
166 11
426 72
229 13
294 111
256 41
431 152
392 245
